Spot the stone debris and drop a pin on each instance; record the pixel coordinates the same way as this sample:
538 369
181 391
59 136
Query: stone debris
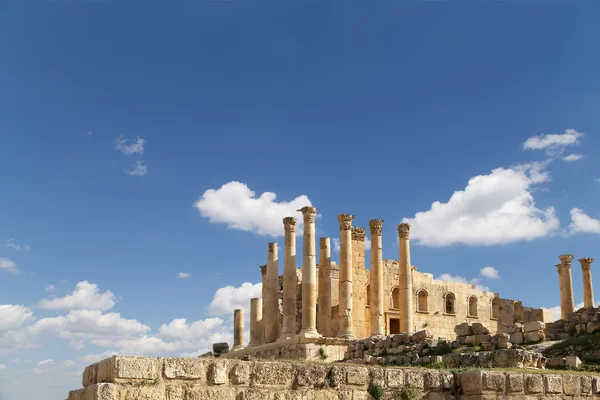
502 358
584 320
513 334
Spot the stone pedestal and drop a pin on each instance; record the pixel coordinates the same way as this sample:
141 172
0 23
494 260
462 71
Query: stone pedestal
588 291
271 300
345 280
290 280
238 329
567 303
255 322
405 280
324 314
309 275
376 286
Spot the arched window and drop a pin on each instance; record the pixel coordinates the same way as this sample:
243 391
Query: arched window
473 312
495 308
368 295
518 311
422 300
395 298
449 303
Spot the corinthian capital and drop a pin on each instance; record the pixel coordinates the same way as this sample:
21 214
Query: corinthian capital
345 221
309 213
404 230
586 263
376 226
566 259
289 224
559 268
358 234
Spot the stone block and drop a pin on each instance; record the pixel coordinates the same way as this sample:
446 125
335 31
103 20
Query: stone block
89 375
471 382
535 336
482 338
501 337
534 326
209 393
556 362
377 376
512 328
357 376
432 381
593 326
311 375
516 383
534 384
586 384
572 361
217 373
152 392
136 367
240 373
414 379
517 338
504 345
394 377
175 392
595 385
273 374
494 381
463 329
106 371
422 336
553 384
571 384
447 379
488 346
186 368
479 329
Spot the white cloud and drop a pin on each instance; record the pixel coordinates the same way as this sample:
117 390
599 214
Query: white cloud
489 273
136 147
11 243
235 204
13 317
229 298
180 329
85 296
556 314
140 169
45 362
582 223
336 244
573 157
493 209
93 358
553 144
50 288
2 366
76 344
8 265
183 275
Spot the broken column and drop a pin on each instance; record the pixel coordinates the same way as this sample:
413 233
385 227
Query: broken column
309 275
345 279
567 303
290 279
377 319
588 291
405 279
255 321
238 329
271 300
324 315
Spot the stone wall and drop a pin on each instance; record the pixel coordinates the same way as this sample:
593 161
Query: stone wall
584 320
137 378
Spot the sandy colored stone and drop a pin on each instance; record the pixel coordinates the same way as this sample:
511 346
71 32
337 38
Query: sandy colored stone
311 375
240 373
309 275
567 302
534 326
345 324
357 376
153 392
471 382
534 384
290 280
221 393
405 284
186 368
89 375
586 384
255 321
588 290
553 384
324 325
494 381
217 373
376 278
414 379
273 373
238 329
174 392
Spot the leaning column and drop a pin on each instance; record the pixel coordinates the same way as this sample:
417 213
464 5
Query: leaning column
290 279
324 316
238 329
345 280
588 291
405 279
271 301
567 303
255 321
309 275
377 322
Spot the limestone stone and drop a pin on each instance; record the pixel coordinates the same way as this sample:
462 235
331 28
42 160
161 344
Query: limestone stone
309 275
494 381
255 321
311 375
571 384
204 393
588 291
567 303
290 279
377 311
534 326
273 373
517 338
593 326
238 329
414 379
154 392
405 279
89 375
240 373
471 382
421 336
175 392
432 380
271 302
586 384
185 368
479 329
357 376
515 383
553 384
217 373
572 361
534 336
534 384
394 378
345 322
324 325
463 329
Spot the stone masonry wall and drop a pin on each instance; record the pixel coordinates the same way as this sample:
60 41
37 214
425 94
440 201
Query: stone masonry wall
145 378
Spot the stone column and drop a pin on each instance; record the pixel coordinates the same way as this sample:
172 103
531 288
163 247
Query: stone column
263 273
345 307
588 291
255 321
567 303
271 300
290 279
324 316
238 329
309 275
376 278
405 280
359 284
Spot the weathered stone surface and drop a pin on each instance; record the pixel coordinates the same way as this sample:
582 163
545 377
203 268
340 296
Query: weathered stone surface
357 376
586 384
534 384
479 329
571 384
89 375
240 373
572 361
136 367
153 392
516 383
517 338
311 375
471 382
217 373
414 379
534 326
553 383
185 368
209 393
535 336
494 381
421 336
271 373
463 329
394 378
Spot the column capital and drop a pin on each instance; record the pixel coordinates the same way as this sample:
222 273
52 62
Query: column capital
404 230
345 221
566 259
376 226
309 213
263 269
289 224
586 263
358 233
558 268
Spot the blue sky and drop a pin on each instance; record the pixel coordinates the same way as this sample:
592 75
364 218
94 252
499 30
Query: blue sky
124 124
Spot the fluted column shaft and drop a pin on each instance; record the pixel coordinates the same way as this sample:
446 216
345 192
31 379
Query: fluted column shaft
345 279
324 315
405 279
567 302
309 275
271 301
290 279
255 321
588 291
238 329
376 278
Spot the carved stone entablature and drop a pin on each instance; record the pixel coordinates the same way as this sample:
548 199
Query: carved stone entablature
565 259
376 226
404 230
345 221
309 213
358 233
586 263
289 224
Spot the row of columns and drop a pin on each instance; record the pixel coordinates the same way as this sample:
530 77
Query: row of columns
567 301
264 315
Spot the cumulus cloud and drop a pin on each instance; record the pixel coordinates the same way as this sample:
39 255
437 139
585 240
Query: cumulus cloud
93 358
229 298
180 329
489 272
582 223
123 145
12 244
556 314
8 265
553 144
493 209
237 206
13 317
183 275
573 157
140 169
46 362
461 279
85 296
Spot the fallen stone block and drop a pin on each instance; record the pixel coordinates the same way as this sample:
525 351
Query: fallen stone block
517 338
463 329
479 329
422 336
572 361
534 326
